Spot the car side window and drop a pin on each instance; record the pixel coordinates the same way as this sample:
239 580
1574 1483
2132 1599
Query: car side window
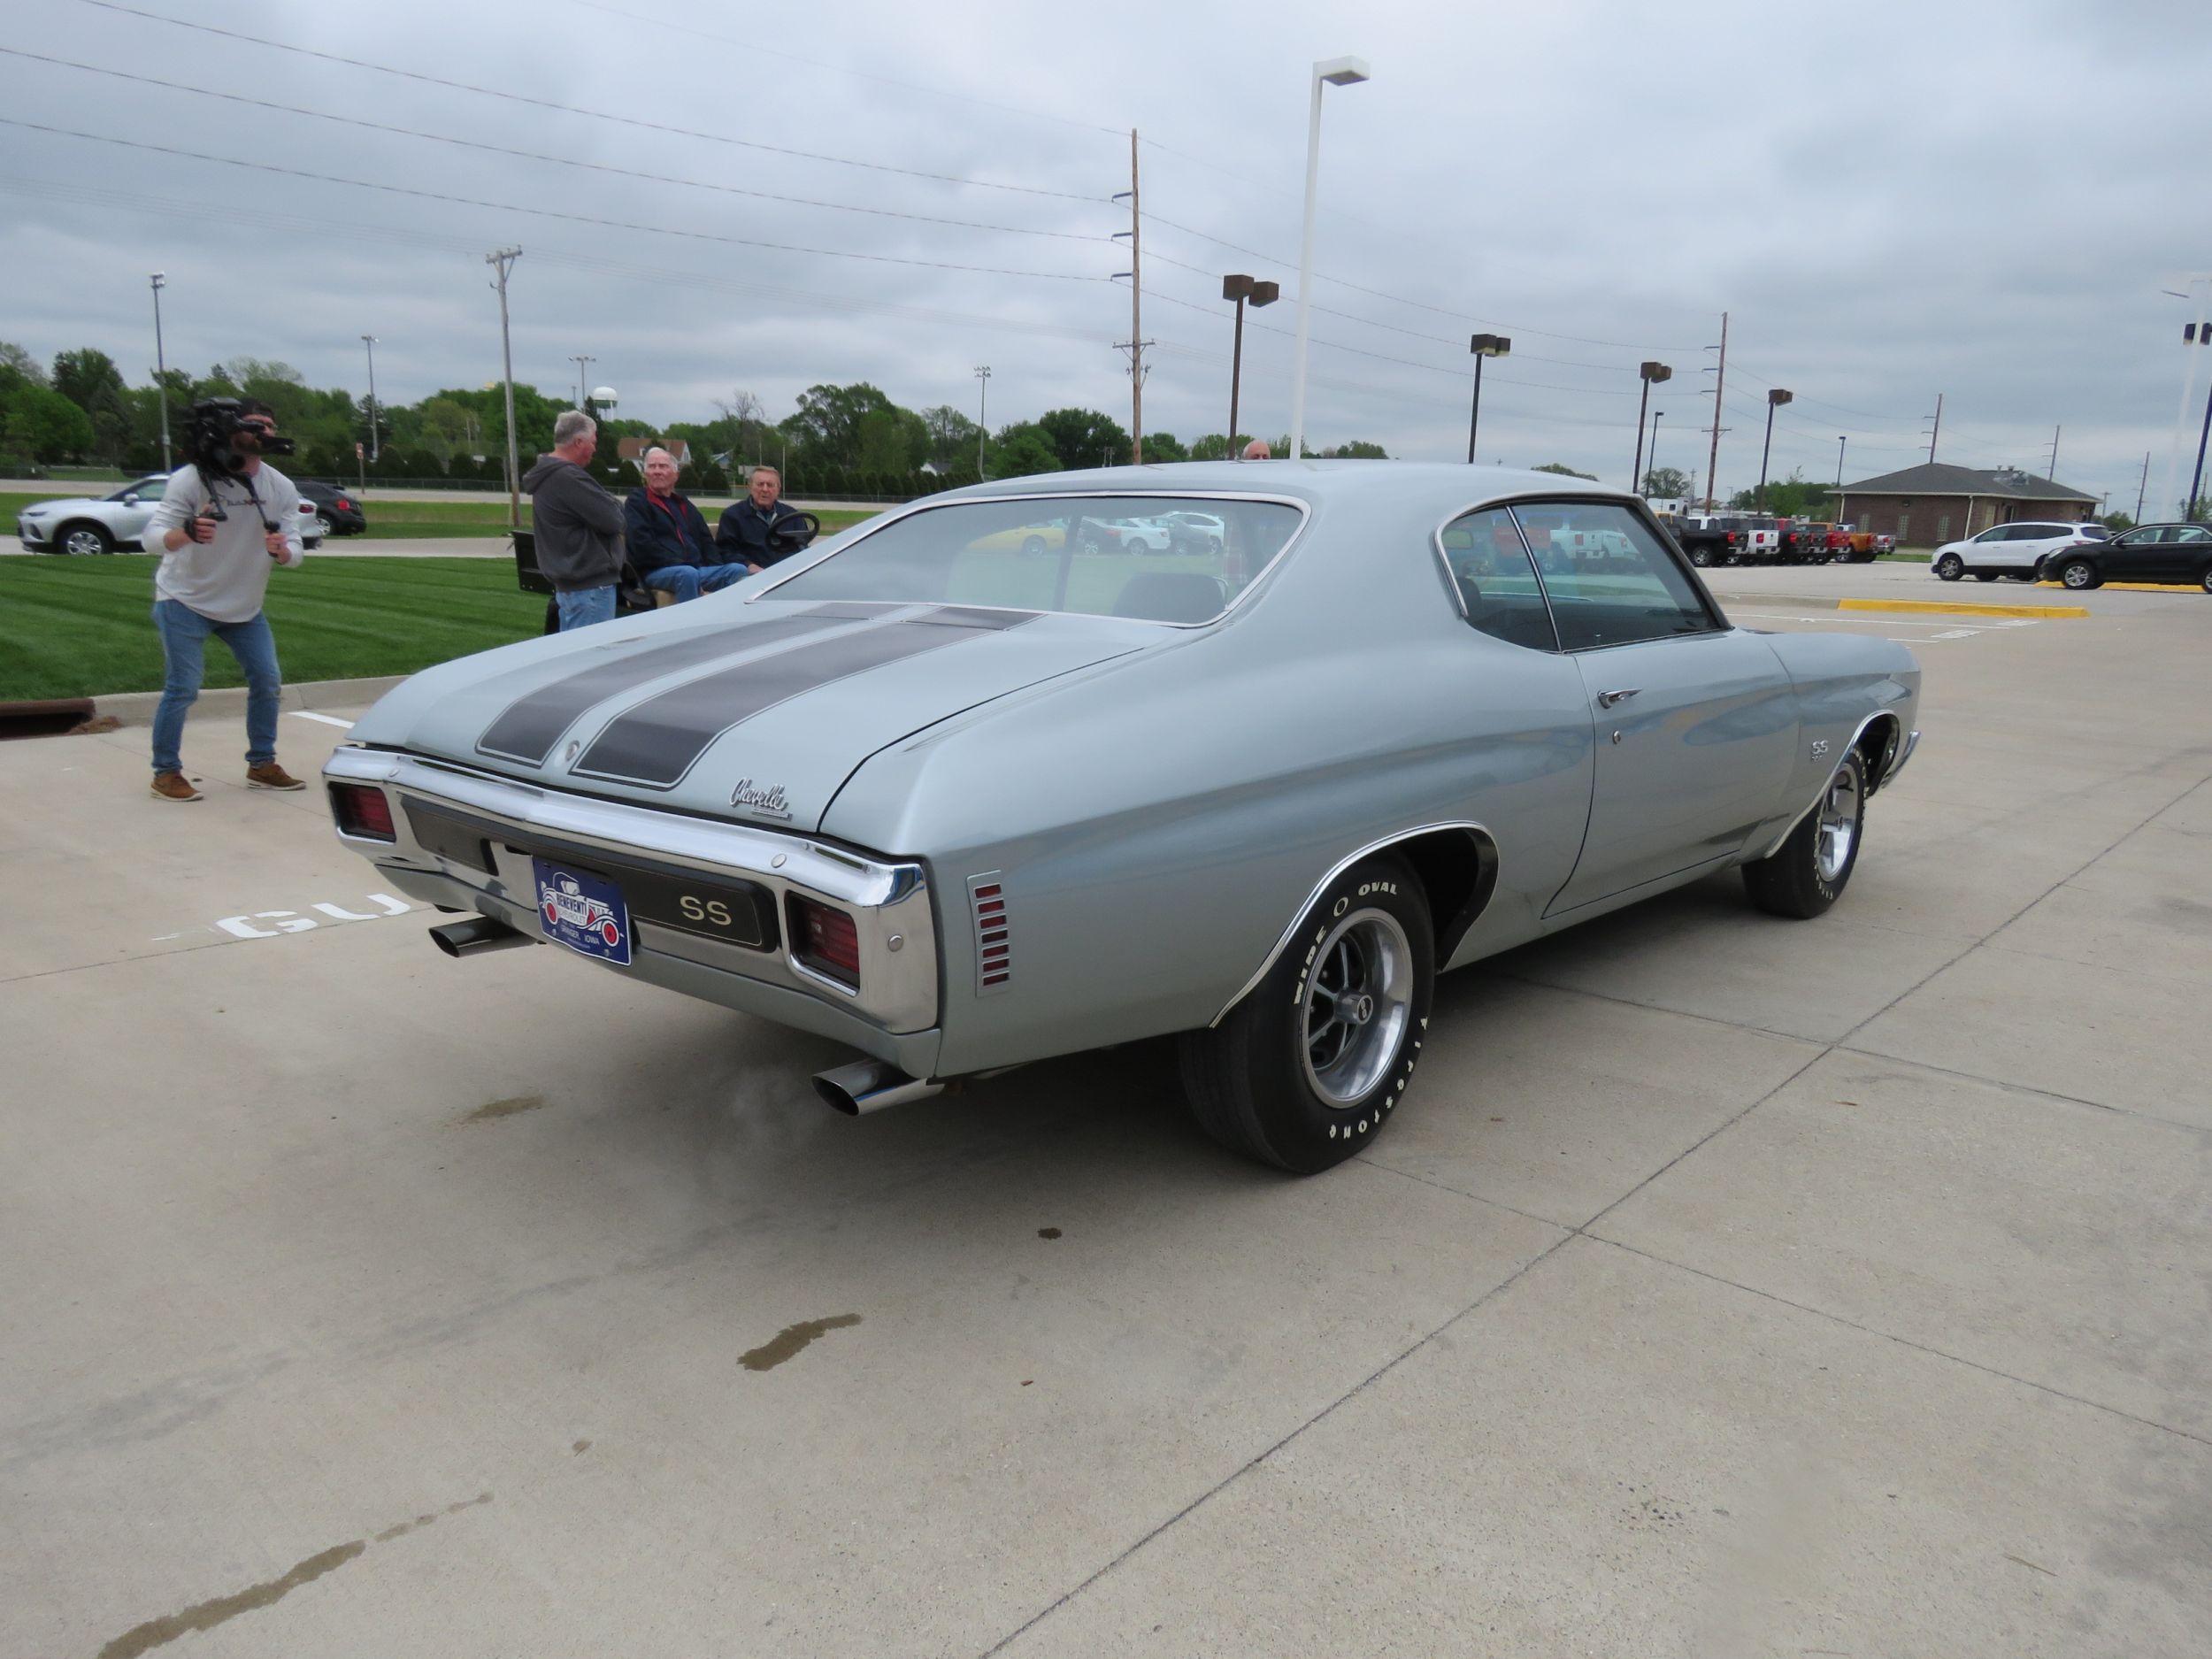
1498 591
2195 534
1609 579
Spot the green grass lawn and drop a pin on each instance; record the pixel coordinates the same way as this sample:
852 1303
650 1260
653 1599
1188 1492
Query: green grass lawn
77 627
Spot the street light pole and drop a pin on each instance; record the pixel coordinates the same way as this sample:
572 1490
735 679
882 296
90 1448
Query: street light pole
1335 72
161 367
2196 479
1841 439
1657 415
369 341
583 363
1651 374
503 261
1241 288
982 415
1482 346
1776 398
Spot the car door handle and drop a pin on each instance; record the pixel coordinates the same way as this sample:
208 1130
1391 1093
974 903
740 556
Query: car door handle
1607 699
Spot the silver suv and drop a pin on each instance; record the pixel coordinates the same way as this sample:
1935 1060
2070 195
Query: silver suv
107 524
2010 549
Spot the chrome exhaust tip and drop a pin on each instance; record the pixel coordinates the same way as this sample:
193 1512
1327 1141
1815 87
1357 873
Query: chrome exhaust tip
869 1085
477 935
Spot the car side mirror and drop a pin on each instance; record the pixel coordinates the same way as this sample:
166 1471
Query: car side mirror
131 499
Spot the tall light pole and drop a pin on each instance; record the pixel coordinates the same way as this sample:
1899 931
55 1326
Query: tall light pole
1840 441
503 260
161 366
1651 374
583 376
982 416
1482 346
2199 284
1241 289
1776 398
1334 72
369 341
1657 415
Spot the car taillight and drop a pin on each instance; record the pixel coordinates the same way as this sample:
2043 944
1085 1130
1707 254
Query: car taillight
362 810
1732 538
826 939
345 505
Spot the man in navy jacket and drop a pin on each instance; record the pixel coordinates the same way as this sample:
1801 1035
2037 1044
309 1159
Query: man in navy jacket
742 537
668 539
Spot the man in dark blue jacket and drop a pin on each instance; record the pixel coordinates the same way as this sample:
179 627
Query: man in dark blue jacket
743 537
668 538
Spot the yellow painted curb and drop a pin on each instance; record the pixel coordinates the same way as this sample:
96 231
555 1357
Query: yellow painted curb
1961 608
2133 587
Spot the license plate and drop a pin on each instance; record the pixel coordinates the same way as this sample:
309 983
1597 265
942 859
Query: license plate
583 911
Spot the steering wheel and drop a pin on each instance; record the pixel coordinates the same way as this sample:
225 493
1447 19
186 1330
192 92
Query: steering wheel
793 532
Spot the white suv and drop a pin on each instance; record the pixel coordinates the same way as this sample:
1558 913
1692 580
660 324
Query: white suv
2009 550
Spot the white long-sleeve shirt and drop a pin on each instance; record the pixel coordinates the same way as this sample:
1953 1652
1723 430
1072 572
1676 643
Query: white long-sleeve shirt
224 579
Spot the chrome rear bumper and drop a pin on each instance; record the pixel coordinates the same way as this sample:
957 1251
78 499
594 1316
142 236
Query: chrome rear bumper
893 1013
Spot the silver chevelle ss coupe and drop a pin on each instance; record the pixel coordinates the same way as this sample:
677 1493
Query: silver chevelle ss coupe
988 779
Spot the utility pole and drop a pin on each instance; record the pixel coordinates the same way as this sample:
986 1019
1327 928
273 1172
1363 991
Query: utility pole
2142 485
1720 384
2196 479
161 368
2195 334
982 414
2051 471
1136 342
1935 429
503 260
583 376
369 341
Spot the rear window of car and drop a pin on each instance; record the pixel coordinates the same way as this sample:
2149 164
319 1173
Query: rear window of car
1065 554
2092 532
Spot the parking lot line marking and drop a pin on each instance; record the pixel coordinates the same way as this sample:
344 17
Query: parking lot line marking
1962 609
328 720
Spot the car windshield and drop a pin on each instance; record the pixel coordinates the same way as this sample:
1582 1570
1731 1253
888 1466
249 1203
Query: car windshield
1097 556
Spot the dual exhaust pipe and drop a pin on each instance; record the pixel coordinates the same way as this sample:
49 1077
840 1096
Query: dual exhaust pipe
865 1086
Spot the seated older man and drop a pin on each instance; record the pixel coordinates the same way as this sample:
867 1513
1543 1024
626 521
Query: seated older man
668 539
744 536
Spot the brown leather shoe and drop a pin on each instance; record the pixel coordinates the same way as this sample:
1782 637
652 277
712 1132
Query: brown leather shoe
269 775
174 786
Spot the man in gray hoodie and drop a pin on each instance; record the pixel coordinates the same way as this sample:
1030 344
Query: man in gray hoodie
578 525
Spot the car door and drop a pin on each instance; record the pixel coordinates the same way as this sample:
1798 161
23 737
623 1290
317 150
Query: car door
1696 721
2187 552
2134 557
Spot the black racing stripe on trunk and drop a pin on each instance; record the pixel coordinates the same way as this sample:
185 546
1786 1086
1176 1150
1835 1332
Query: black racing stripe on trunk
527 728
655 744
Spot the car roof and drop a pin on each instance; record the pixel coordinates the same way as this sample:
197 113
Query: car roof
1440 485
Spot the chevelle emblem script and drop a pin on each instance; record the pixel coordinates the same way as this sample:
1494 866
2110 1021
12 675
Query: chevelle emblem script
770 803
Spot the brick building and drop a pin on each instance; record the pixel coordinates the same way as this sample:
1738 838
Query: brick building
1927 506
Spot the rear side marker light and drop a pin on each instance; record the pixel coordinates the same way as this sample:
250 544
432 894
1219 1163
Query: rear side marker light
363 810
826 939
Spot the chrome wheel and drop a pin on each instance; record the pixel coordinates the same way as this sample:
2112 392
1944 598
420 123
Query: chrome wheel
1839 831
321 526
1357 1005
83 540
2078 575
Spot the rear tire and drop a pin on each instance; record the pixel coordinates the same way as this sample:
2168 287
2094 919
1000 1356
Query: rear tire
1701 557
2205 581
1305 1071
1950 567
1806 874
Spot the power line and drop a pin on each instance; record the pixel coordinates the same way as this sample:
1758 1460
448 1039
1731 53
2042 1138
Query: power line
544 213
571 109
531 155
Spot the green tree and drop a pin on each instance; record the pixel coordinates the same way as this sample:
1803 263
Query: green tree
1021 449
1083 437
1563 471
856 427
1214 447
2116 522
1360 450
18 366
1666 482
1165 446
46 425
82 376
952 435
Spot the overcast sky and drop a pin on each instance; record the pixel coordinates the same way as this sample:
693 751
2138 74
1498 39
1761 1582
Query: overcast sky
1891 200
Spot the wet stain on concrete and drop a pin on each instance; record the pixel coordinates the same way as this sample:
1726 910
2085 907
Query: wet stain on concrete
491 1109
787 1343
1047 1232
204 1616
579 1449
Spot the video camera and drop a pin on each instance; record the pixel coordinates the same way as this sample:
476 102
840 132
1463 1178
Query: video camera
209 438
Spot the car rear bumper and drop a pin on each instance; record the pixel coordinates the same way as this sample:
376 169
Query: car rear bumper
467 839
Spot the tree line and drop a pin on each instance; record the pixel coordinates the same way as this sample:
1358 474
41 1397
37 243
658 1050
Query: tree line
841 439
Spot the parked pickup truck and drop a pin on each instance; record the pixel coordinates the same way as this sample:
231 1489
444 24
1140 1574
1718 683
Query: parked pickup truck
1702 541
1860 546
1744 539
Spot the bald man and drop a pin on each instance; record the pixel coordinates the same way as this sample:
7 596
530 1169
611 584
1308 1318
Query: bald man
669 541
1257 451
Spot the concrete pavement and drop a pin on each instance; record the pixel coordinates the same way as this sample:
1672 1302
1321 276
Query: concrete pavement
1726 1285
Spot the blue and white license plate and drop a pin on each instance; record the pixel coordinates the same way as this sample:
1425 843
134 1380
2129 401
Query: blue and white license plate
583 911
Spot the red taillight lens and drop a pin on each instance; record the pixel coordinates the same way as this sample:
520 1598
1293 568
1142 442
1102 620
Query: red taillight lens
362 810
344 504
826 939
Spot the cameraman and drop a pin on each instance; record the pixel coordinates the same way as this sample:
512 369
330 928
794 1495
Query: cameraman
223 520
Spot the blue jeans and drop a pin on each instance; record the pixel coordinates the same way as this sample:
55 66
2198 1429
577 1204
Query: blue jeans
184 633
585 606
688 581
